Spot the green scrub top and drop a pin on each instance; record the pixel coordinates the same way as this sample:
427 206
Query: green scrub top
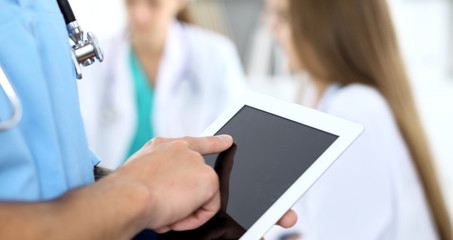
144 98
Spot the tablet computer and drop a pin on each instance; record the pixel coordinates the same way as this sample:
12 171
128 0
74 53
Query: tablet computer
280 149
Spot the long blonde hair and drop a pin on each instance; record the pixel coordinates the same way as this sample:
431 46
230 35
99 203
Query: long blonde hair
355 41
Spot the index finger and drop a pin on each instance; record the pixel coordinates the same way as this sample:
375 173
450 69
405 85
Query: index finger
209 145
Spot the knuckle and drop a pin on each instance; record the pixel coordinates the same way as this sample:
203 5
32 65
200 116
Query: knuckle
180 144
157 140
153 143
149 143
187 139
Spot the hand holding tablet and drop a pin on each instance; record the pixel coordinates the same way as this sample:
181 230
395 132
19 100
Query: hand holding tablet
280 150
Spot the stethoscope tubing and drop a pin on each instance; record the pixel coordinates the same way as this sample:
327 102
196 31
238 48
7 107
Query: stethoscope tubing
14 100
66 10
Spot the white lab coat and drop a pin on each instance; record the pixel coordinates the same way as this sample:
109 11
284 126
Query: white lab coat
372 191
199 76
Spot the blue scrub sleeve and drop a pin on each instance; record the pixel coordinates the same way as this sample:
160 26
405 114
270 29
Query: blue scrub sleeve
47 153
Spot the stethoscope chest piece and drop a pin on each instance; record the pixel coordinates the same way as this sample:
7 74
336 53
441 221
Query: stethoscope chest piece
85 49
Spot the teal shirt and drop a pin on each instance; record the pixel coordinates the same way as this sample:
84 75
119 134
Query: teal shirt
144 98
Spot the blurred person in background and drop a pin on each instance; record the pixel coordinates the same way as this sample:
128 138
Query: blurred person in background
162 76
384 186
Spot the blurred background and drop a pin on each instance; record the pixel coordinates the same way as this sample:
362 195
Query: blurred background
425 31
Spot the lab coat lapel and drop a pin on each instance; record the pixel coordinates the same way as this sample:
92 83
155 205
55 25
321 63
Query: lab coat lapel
170 87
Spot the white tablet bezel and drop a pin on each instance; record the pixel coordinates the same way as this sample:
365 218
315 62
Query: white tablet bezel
346 131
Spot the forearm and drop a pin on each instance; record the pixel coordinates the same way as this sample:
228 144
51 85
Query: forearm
108 209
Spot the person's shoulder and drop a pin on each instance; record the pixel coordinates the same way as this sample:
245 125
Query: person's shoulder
351 93
359 102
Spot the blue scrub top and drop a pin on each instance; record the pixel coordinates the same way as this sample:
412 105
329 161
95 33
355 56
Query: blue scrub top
46 154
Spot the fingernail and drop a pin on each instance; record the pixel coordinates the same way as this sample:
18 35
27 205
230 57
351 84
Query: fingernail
226 138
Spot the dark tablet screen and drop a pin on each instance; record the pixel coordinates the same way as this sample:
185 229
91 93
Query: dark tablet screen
270 153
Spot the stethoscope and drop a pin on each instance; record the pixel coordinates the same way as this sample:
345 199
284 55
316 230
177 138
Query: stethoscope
85 51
